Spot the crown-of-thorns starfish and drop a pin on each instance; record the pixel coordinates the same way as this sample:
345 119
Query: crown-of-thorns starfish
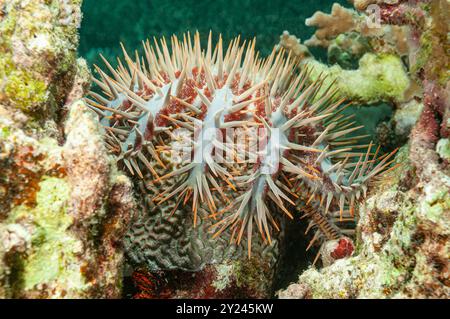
308 156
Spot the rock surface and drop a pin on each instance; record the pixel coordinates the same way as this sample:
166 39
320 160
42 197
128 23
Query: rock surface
63 205
402 246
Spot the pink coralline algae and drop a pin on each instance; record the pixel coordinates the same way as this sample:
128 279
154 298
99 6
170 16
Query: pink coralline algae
344 249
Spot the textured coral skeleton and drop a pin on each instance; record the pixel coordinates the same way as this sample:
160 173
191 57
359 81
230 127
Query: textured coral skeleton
312 160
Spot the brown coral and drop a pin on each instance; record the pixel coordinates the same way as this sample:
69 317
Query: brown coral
292 44
329 26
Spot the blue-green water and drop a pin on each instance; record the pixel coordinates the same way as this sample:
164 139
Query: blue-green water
108 22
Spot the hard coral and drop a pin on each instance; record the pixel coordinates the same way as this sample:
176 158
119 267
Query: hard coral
404 240
290 43
378 78
329 26
343 26
38 52
182 92
63 206
49 248
403 230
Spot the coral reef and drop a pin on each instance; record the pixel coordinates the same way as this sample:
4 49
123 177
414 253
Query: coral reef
380 77
227 280
38 52
403 249
329 26
142 173
183 93
64 207
402 235
290 43
347 49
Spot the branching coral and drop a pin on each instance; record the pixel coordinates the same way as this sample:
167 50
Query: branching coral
347 32
290 43
403 230
329 26
38 52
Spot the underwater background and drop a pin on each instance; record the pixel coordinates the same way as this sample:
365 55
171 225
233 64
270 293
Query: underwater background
106 23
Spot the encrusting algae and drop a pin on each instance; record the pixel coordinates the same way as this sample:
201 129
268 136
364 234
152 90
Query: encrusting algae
403 231
60 193
148 104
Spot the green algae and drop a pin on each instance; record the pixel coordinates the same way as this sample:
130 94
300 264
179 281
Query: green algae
21 88
435 205
37 31
5 132
379 78
54 249
443 148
